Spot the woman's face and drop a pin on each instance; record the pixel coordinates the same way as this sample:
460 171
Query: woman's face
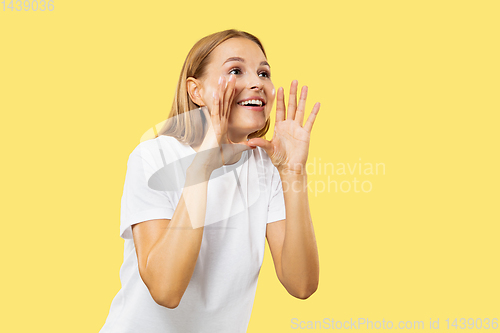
252 74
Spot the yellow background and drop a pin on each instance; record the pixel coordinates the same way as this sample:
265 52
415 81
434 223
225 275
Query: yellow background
413 85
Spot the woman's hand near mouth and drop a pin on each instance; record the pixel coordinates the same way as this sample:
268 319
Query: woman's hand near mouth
218 148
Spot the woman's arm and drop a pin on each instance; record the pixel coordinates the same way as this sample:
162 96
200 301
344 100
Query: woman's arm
292 241
167 250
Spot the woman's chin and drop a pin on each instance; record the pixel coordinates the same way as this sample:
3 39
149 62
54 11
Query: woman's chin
257 126
249 125
246 131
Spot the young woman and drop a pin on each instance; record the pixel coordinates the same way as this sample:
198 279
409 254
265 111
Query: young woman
194 231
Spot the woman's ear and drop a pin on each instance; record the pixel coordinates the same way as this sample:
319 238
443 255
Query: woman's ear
193 87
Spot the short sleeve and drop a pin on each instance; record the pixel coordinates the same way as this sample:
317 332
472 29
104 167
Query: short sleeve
276 210
139 202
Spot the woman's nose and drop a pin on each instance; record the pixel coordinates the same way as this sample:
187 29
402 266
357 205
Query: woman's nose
256 84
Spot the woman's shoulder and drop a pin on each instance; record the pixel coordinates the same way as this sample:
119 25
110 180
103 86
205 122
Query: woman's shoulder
161 147
160 142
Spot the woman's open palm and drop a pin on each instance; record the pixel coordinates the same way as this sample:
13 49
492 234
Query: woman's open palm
289 147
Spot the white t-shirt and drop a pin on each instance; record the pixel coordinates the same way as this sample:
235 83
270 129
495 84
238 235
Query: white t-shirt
241 199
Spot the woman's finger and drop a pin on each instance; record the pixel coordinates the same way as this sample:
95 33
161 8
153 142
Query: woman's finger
222 83
299 114
280 105
215 111
292 100
229 93
310 120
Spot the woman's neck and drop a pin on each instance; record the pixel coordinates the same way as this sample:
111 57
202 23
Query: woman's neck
235 158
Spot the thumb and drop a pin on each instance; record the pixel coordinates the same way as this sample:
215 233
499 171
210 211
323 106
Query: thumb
264 144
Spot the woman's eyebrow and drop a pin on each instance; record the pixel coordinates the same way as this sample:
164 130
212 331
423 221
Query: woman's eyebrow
264 63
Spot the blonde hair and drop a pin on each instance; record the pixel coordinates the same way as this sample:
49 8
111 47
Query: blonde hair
189 127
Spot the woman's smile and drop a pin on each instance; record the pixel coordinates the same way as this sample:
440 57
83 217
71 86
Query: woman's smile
254 103
253 108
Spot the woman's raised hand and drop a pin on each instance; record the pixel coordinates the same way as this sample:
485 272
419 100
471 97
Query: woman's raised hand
289 147
217 135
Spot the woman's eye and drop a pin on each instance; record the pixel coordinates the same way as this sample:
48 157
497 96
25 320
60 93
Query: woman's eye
267 73
234 69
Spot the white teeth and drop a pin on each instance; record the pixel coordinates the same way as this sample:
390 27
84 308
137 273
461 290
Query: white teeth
252 101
